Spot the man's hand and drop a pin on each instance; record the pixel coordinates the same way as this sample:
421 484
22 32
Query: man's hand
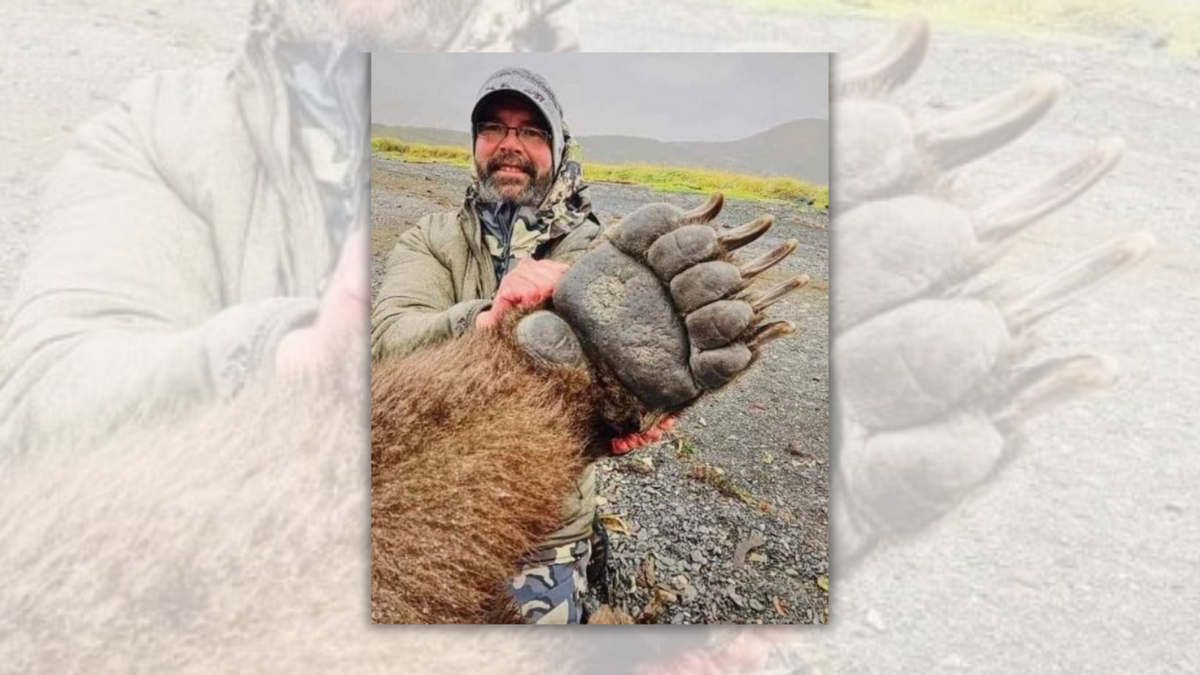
630 442
530 284
341 319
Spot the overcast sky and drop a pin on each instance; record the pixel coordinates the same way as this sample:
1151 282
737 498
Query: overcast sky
670 97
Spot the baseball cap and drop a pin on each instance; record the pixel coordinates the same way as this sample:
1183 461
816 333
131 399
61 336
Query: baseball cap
534 88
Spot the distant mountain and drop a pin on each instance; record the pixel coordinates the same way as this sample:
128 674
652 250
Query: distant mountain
799 148
423 135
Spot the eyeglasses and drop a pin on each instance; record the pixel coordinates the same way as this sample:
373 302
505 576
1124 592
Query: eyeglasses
494 132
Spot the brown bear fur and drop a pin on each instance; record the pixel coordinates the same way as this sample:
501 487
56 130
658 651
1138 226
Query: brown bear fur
473 448
223 537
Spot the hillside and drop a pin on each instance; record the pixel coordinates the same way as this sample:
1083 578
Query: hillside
799 149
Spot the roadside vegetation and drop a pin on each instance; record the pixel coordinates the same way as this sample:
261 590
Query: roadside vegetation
661 178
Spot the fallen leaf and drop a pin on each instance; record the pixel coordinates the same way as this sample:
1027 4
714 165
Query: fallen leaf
665 594
780 606
823 583
648 574
614 523
652 609
767 458
757 408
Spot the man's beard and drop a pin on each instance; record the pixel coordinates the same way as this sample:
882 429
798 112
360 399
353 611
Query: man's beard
491 189
394 25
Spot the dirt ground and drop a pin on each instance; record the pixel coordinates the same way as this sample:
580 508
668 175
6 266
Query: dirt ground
1076 558
672 534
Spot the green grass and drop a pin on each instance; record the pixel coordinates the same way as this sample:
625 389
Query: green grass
1091 20
420 153
733 185
661 178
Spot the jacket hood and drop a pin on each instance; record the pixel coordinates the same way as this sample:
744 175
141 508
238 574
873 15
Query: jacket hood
535 89
315 95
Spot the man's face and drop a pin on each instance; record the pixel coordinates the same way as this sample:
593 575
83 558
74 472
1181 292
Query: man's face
511 168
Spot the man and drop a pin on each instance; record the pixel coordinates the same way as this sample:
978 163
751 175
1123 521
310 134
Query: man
188 230
525 217
199 233
528 202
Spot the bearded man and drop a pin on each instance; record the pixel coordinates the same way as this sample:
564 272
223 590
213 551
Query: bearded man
201 232
525 217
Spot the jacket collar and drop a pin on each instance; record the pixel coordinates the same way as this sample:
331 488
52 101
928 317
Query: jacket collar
303 105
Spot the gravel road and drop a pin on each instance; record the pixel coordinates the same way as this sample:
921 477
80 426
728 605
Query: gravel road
767 434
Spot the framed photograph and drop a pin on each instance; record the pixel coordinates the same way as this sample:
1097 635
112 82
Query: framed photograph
599 338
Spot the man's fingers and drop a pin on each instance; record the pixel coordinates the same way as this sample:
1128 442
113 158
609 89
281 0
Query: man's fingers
546 276
501 304
523 293
529 284
346 303
351 278
513 293
554 270
545 284
541 271
531 266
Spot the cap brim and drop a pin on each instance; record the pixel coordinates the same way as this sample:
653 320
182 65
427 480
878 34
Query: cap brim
483 102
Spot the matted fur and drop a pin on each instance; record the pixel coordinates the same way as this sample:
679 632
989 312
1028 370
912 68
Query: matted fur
227 539
473 447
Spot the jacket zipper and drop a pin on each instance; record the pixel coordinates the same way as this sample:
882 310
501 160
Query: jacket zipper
507 248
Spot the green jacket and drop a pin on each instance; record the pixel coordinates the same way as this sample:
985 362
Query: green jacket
439 278
182 236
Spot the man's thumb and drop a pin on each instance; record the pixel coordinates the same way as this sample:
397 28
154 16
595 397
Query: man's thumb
348 297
